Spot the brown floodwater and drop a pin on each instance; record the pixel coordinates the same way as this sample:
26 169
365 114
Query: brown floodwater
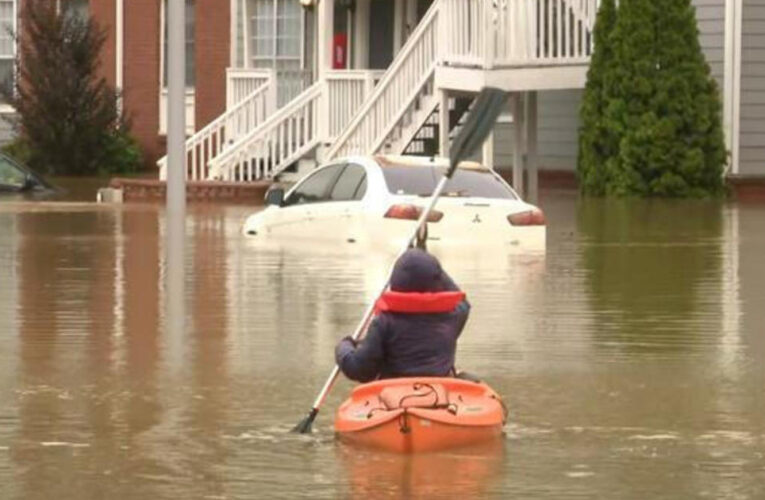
631 356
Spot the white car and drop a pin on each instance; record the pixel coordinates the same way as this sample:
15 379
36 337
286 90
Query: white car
375 200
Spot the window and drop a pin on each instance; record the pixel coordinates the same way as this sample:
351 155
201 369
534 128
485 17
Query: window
315 188
190 66
361 190
347 185
422 181
274 33
7 43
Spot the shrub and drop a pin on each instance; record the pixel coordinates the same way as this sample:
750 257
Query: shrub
651 116
66 113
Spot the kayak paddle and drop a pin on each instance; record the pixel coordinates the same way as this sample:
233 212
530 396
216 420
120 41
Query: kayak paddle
478 126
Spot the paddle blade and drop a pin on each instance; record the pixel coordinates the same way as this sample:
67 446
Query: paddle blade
304 426
478 126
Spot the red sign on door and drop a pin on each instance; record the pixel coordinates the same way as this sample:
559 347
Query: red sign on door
340 51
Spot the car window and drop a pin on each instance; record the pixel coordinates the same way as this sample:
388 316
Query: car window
348 183
315 188
422 181
361 190
10 175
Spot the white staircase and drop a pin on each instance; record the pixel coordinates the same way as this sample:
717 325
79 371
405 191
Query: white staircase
521 44
310 120
251 99
403 99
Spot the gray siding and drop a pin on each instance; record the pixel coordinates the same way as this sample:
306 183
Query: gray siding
558 132
752 131
559 110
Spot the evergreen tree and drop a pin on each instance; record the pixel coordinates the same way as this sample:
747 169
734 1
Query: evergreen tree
67 115
661 123
595 144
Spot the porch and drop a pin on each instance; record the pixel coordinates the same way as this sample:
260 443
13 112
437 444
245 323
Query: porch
388 76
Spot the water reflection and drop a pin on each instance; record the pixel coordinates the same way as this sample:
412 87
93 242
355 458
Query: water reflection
466 473
649 269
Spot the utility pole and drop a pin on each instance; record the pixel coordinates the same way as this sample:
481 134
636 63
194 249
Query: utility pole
175 213
176 112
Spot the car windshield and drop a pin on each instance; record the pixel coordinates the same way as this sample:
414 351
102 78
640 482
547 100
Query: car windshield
421 181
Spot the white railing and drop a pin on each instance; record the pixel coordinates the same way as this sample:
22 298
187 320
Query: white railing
282 139
507 33
346 92
212 140
401 84
241 82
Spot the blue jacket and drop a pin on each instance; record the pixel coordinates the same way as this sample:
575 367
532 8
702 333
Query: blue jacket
401 344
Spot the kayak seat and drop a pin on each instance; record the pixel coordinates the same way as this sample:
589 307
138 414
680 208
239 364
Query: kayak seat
417 395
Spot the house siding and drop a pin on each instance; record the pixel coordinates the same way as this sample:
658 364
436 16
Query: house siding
559 110
752 125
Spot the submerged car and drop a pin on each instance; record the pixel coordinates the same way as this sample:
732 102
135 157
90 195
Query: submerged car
16 178
377 199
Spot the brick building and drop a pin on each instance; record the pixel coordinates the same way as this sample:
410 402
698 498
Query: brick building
132 59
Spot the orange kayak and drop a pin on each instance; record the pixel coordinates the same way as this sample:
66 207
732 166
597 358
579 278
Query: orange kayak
409 415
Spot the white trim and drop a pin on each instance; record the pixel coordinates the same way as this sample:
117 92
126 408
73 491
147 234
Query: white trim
12 56
119 75
736 125
233 48
398 25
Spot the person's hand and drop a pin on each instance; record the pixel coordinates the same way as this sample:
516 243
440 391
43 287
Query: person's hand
349 339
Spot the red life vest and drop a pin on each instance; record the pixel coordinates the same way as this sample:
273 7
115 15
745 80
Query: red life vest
418 303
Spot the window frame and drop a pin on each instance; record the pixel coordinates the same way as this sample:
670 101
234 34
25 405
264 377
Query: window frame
4 106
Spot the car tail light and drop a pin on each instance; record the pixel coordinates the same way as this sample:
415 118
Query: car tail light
411 212
529 218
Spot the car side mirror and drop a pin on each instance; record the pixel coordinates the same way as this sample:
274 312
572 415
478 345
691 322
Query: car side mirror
275 196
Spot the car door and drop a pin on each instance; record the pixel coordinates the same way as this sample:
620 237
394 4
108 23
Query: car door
302 212
346 197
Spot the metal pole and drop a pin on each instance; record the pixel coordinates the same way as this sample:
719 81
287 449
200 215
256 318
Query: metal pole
176 169
176 112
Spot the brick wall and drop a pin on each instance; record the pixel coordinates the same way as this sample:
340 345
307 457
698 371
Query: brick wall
212 46
104 13
141 92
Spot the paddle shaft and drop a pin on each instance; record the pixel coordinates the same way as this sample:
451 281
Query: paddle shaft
361 328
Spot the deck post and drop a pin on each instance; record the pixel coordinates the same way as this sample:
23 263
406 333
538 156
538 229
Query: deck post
488 151
532 158
443 123
398 25
324 33
518 143
361 35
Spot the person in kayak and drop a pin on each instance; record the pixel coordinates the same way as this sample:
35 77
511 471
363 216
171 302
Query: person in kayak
416 328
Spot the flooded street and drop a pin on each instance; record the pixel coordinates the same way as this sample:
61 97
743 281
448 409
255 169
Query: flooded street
631 357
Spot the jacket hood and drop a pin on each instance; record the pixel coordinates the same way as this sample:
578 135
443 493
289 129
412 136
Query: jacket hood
417 271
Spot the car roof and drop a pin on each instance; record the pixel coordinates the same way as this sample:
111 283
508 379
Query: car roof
423 161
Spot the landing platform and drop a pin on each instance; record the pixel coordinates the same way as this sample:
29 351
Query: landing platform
557 77
196 191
